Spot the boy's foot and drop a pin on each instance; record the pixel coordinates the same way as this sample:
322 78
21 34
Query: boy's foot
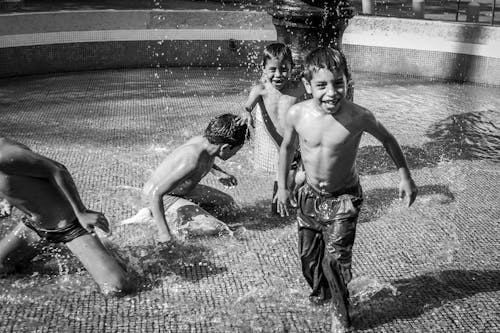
341 320
318 301
339 325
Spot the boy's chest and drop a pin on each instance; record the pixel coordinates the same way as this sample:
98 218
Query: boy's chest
277 102
324 133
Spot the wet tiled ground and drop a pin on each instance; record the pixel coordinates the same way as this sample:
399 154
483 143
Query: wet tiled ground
434 267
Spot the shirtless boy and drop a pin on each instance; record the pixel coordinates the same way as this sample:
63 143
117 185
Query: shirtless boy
45 192
275 94
176 180
329 128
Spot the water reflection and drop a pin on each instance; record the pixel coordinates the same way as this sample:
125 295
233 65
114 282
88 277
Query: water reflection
471 135
466 136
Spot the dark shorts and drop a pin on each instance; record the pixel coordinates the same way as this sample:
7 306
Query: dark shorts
64 235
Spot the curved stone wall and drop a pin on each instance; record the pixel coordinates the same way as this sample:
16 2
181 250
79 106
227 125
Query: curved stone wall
36 43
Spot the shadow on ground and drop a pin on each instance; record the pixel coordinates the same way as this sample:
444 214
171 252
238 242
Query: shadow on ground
422 294
467 136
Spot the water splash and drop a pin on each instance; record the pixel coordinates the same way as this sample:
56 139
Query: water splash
364 288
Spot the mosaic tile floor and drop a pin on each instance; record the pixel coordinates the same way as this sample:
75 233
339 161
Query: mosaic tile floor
432 268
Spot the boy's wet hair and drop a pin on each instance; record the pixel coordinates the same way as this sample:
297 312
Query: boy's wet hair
277 50
325 57
224 129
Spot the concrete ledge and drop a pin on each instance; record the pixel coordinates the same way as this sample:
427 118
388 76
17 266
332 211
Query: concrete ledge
83 40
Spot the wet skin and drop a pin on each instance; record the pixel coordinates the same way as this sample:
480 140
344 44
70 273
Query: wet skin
329 129
44 190
180 172
275 94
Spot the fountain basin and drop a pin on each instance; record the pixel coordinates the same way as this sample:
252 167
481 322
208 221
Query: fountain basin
48 42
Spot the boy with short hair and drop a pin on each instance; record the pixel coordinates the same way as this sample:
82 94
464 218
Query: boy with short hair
274 94
45 192
329 128
175 181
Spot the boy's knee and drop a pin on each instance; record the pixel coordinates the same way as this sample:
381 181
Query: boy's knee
117 285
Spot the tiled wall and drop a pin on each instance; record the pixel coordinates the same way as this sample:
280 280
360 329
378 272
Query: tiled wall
38 43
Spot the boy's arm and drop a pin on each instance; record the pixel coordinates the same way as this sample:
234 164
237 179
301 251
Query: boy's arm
407 186
252 100
17 159
228 181
286 152
172 178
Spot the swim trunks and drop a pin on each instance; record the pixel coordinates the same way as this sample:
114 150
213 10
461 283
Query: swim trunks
63 235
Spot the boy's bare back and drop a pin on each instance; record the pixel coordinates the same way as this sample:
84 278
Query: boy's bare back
22 184
184 167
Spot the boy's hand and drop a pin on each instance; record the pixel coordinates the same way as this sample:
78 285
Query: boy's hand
90 219
245 118
166 238
228 181
5 208
281 199
408 190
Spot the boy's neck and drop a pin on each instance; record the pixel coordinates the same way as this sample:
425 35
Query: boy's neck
212 149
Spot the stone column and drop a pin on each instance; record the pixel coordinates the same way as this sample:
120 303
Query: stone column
303 26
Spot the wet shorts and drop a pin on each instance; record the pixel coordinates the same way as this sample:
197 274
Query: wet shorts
64 235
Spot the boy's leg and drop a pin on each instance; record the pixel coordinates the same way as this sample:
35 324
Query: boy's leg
311 252
18 247
338 289
191 219
339 238
212 200
102 266
274 204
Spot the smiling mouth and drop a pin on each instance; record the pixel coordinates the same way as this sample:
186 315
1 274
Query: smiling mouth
331 102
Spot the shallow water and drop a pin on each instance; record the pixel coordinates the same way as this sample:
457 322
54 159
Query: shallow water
111 128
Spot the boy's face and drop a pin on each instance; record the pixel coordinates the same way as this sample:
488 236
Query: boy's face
227 151
327 88
277 72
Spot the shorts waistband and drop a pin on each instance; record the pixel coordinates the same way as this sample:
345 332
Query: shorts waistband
346 190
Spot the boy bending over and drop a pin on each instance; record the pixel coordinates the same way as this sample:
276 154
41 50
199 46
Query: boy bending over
329 129
45 192
175 181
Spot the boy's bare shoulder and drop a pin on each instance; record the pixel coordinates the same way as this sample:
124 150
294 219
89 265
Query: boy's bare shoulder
258 89
299 108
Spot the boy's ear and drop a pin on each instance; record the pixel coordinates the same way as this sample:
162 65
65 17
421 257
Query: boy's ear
307 85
